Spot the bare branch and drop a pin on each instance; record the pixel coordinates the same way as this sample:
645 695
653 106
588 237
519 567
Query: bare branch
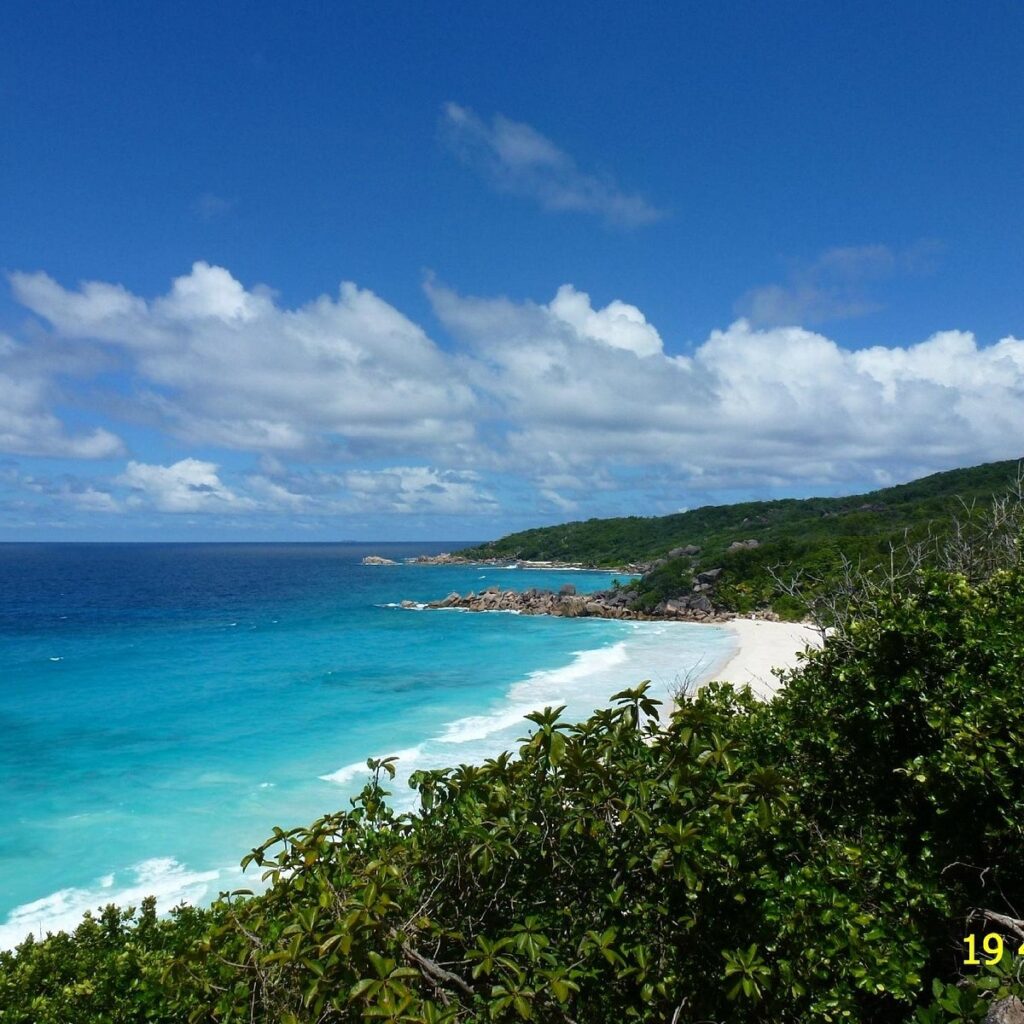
436 972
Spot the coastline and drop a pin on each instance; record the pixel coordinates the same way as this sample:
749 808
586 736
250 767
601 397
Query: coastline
764 646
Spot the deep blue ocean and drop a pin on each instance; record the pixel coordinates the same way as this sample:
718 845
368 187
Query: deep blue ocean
162 707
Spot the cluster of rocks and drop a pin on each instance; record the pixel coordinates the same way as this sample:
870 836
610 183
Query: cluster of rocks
688 551
516 563
740 545
696 605
606 604
378 560
443 559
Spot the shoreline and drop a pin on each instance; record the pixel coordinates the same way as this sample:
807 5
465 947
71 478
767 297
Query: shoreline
762 647
765 644
646 651
628 569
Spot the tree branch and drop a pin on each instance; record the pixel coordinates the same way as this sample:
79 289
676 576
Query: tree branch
435 972
1014 925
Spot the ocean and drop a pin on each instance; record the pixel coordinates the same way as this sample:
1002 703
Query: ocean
164 706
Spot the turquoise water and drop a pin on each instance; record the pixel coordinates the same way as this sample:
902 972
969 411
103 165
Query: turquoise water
162 707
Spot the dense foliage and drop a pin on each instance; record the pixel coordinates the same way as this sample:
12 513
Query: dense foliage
815 537
816 858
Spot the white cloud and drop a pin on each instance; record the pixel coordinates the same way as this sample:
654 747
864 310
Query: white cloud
771 407
96 310
541 406
412 489
517 159
619 324
209 293
276 495
226 366
89 499
28 426
189 485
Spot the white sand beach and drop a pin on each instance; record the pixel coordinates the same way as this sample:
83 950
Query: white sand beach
764 646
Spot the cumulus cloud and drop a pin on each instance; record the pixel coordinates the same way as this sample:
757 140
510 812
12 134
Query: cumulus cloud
835 285
749 406
189 485
619 324
518 159
227 366
345 406
27 424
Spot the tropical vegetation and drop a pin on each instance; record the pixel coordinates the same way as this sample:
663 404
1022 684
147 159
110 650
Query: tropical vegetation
810 538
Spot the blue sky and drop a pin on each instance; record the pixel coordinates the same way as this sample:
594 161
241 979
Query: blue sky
600 259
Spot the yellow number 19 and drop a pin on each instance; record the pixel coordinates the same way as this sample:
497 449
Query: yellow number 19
991 943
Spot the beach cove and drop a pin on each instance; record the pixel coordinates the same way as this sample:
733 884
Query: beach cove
167 705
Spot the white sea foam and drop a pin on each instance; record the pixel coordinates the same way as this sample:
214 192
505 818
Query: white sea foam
163 877
347 773
670 655
358 768
544 688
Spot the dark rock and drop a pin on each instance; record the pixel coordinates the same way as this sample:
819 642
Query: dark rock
567 589
709 575
700 603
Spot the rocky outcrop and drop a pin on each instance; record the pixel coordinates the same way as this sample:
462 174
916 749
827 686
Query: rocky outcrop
443 559
688 551
378 560
739 545
605 604
632 568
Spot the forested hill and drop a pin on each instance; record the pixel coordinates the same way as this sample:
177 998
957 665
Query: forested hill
810 534
882 513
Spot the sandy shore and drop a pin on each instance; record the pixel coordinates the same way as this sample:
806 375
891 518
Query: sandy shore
764 646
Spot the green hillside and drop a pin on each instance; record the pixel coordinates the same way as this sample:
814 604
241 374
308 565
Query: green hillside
812 534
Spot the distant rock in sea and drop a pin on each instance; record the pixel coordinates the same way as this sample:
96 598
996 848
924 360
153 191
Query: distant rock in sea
377 560
445 558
